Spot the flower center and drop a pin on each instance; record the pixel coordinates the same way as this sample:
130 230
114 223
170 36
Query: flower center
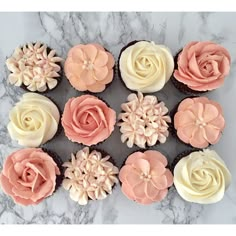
200 122
145 177
88 65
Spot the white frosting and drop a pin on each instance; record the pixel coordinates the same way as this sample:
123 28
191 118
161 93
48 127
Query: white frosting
89 176
146 66
33 120
144 120
32 66
202 177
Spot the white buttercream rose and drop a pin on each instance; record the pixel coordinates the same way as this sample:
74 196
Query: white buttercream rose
202 177
146 66
33 120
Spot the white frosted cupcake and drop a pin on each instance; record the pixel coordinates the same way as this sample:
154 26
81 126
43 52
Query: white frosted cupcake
201 176
145 66
33 120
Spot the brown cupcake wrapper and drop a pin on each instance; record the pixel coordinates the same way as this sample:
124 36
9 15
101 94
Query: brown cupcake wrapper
172 129
181 86
59 79
59 162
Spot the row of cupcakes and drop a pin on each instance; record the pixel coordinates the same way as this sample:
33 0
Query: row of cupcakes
31 175
144 121
142 65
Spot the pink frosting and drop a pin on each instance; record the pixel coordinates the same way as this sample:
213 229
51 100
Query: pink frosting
29 176
145 178
88 120
199 121
89 67
203 66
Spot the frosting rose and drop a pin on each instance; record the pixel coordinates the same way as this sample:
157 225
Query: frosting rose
89 67
199 121
29 176
146 66
203 66
145 178
89 176
88 120
34 66
201 177
33 120
143 121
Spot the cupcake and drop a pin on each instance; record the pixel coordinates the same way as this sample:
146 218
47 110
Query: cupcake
199 122
201 177
145 178
144 121
34 67
145 66
88 120
89 176
29 176
33 120
89 67
201 67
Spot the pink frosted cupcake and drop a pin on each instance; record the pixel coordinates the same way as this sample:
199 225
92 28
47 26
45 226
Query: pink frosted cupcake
29 176
199 122
88 120
145 178
201 67
89 67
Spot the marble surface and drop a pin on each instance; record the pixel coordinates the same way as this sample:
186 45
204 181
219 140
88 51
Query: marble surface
113 30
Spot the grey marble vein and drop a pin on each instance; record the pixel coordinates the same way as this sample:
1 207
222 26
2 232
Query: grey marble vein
113 30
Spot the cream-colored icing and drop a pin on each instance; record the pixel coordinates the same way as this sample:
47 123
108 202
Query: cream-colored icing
33 67
89 176
144 120
146 66
202 177
33 120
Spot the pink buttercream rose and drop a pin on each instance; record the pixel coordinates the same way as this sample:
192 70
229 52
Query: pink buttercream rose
203 66
29 176
89 67
145 178
88 120
199 121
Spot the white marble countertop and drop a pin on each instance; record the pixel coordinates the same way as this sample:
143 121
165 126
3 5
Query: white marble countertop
113 30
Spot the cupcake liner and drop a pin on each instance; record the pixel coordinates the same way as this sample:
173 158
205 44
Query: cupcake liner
59 162
181 86
59 79
172 129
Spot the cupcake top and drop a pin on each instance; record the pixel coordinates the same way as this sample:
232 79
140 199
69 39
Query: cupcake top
89 176
34 66
88 120
143 121
146 66
202 66
201 177
145 178
33 120
29 176
199 121
89 67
